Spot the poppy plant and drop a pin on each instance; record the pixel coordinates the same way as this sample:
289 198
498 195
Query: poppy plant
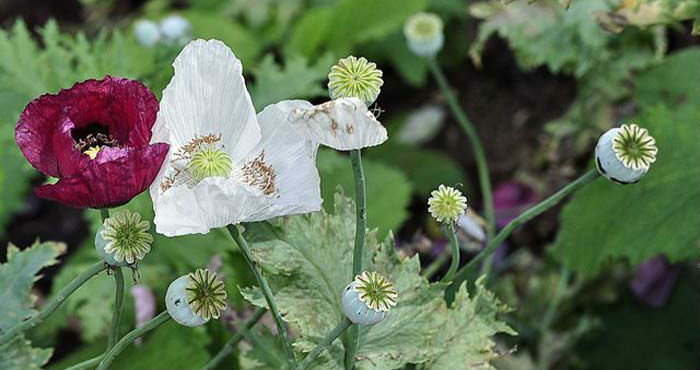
93 137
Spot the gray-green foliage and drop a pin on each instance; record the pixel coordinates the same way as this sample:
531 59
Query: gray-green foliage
17 276
658 215
310 264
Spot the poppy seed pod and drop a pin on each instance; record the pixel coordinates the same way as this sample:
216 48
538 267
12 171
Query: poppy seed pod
195 298
367 300
424 34
123 239
625 154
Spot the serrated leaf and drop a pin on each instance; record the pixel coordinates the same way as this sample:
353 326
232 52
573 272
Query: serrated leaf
18 275
310 266
388 189
265 351
658 215
296 80
18 353
471 323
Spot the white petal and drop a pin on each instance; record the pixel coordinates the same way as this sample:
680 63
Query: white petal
342 124
214 202
206 96
294 161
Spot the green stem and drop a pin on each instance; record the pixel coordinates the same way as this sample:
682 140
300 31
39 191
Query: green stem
265 287
231 344
130 337
118 303
87 363
454 248
55 302
353 336
479 154
521 219
333 335
104 212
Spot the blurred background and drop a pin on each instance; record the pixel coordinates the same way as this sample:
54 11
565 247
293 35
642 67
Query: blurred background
540 82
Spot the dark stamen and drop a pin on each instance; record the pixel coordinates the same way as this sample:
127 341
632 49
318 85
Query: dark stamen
91 135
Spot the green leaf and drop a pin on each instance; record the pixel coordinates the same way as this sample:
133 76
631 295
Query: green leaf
265 351
297 80
310 31
18 353
471 323
17 276
356 21
244 44
311 264
388 189
658 215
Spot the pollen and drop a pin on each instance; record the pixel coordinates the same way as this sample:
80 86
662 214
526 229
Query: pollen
92 151
258 174
205 292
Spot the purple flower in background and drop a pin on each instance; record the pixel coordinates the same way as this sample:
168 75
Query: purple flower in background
144 303
510 199
654 280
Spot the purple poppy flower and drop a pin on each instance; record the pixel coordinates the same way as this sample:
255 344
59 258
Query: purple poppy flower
94 137
654 280
510 199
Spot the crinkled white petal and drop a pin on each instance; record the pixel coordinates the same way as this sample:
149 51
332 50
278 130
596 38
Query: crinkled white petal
342 124
294 162
206 96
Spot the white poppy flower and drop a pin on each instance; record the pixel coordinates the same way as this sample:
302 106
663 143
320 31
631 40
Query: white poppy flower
342 124
226 165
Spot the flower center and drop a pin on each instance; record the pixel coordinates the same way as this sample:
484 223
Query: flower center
206 295
375 291
127 236
210 162
91 138
634 147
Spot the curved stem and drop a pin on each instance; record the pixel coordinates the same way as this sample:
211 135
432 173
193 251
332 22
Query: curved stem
454 247
353 337
521 219
479 154
118 303
333 335
435 266
87 363
104 212
231 344
265 287
54 303
130 337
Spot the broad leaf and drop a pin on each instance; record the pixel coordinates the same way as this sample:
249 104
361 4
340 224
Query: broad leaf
18 275
310 266
658 215
18 353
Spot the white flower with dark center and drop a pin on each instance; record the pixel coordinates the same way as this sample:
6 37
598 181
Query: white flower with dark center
226 165
355 77
625 154
424 34
124 238
447 204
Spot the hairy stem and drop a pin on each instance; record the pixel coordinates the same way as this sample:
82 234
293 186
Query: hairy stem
454 248
333 335
55 302
479 154
131 337
524 217
231 344
267 292
353 336
87 364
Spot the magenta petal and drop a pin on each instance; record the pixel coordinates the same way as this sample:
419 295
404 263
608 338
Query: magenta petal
112 179
34 133
69 160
